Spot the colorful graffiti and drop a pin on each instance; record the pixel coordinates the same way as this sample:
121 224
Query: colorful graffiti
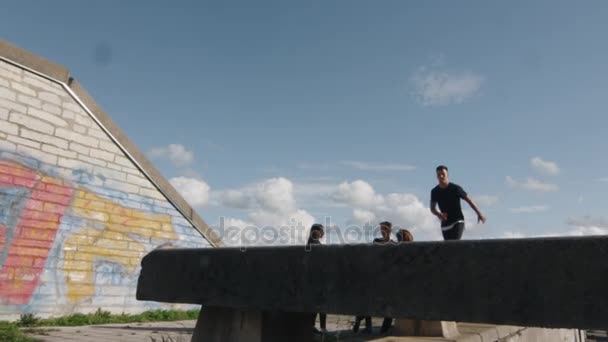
34 207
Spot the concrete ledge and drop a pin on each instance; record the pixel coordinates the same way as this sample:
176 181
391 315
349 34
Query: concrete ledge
33 61
552 282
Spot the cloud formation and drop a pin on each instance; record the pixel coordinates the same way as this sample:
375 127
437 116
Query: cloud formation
177 154
194 191
544 167
532 185
440 88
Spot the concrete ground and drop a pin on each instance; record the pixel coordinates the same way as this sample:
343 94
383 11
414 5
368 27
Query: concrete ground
339 329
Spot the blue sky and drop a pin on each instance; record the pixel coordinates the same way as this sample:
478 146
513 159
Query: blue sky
278 109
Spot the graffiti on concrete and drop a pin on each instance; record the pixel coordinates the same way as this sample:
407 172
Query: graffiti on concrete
43 216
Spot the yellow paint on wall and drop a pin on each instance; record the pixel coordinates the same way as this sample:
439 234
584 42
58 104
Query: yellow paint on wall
116 241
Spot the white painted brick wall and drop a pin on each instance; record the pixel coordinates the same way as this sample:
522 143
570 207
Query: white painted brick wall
151 193
116 175
123 161
97 133
90 160
43 122
31 122
73 136
79 148
54 119
114 167
47 107
74 107
110 147
9 67
9 128
83 120
4 103
44 85
23 88
42 156
140 181
4 73
96 153
21 141
79 129
58 151
30 101
49 139
131 169
8 94
7 146
68 114
49 97
122 186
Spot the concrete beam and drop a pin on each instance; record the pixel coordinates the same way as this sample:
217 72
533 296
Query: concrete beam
549 282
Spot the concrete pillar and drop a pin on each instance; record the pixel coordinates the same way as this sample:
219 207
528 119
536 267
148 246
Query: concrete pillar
217 324
415 327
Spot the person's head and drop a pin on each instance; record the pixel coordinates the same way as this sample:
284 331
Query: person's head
385 229
442 174
317 231
404 235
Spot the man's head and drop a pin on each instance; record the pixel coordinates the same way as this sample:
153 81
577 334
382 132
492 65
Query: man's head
385 229
442 175
317 231
404 235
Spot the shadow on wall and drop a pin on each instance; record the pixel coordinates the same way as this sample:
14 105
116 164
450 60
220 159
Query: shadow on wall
44 217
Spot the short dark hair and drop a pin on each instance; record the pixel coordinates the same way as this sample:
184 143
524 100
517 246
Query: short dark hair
441 167
317 227
386 223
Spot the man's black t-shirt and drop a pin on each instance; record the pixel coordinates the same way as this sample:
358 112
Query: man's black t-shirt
449 202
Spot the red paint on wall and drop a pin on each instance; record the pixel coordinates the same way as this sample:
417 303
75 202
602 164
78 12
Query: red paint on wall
34 233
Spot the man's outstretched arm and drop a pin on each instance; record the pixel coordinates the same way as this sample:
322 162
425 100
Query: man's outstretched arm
480 217
435 212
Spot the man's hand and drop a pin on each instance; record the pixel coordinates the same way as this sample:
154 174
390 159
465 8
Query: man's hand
481 218
443 216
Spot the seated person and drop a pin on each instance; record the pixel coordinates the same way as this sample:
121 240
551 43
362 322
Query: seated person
404 235
385 229
316 234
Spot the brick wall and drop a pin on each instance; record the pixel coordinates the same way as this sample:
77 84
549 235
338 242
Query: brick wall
76 215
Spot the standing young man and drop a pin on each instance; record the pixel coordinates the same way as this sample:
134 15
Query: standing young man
447 195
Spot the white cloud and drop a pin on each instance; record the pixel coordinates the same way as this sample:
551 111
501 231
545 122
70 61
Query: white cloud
194 191
588 225
544 167
234 199
402 209
532 184
358 194
530 209
378 166
485 200
604 179
269 203
177 154
440 88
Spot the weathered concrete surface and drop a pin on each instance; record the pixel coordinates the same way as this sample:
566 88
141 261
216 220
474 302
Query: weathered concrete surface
224 325
553 282
339 327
